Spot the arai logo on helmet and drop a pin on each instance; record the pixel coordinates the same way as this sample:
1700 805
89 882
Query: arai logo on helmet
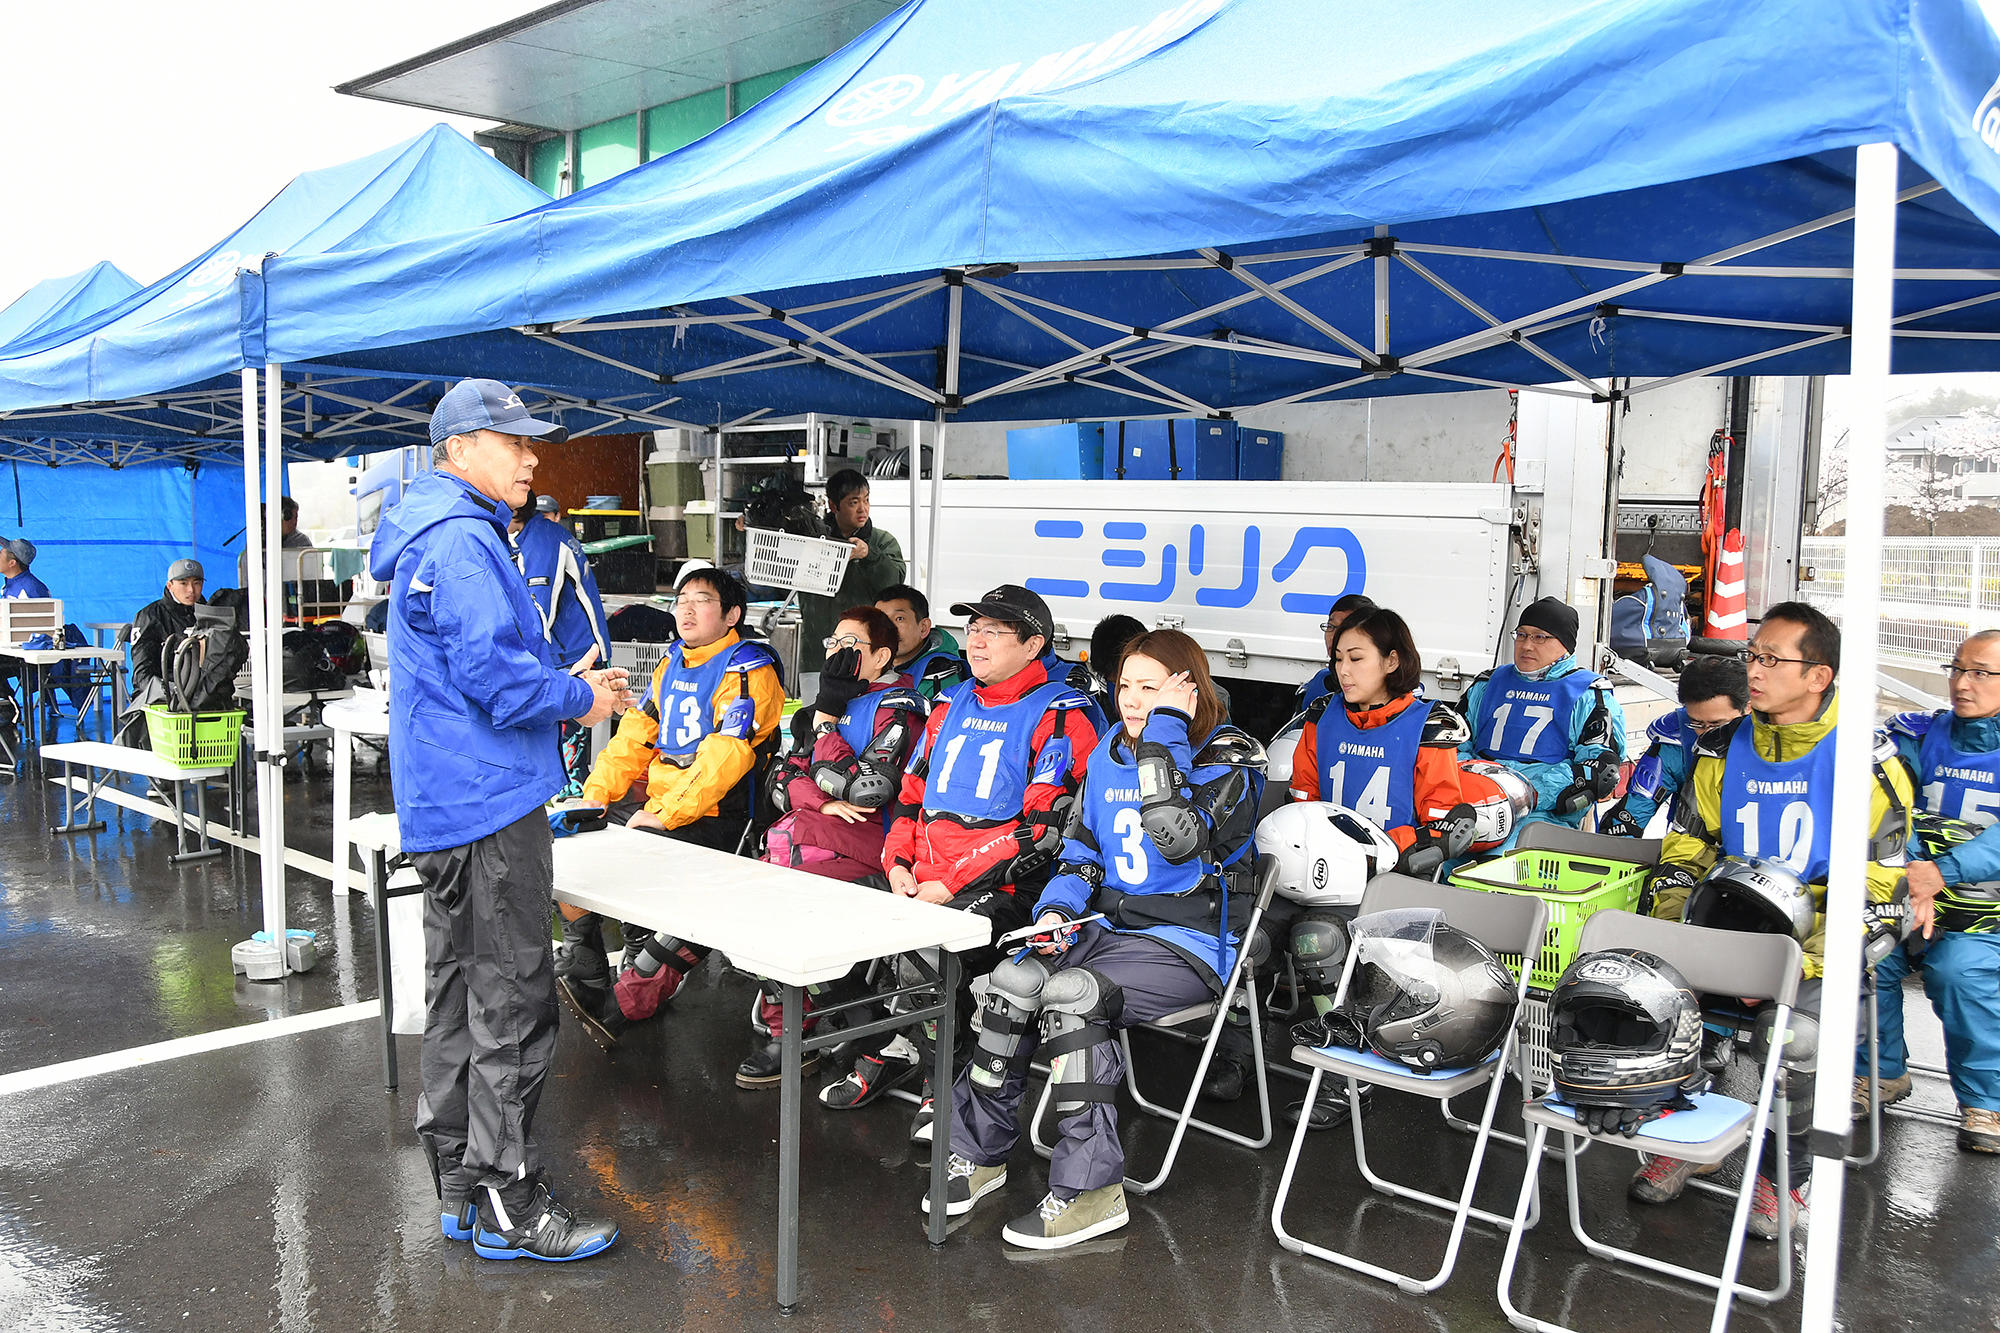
1986 118
952 92
1319 873
1608 970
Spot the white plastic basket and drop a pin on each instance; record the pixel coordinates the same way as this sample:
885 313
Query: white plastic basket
787 560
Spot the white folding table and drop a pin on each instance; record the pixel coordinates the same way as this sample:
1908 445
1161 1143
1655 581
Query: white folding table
96 756
366 713
36 663
782 924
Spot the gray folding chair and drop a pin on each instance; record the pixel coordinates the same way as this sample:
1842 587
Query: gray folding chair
1242 978
1547 837
1504 923
1719 962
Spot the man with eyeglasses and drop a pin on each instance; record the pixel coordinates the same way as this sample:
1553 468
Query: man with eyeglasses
683 764
1714 692
1954 879
1348 607
475 699
1548 719
987 792
1762 789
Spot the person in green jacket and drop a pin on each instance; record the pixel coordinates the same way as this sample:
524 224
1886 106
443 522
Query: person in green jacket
877 563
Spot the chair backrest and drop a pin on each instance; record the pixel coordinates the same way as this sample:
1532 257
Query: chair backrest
1513 923
1716 962
1547 837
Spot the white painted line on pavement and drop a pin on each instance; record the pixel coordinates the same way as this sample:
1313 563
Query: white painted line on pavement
200 1043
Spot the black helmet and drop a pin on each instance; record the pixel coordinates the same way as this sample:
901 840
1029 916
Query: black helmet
1749 894
1424 993
1624 1030
1968 907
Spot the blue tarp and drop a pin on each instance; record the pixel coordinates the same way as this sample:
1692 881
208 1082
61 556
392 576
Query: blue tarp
197 327
965 133
104 538
55 303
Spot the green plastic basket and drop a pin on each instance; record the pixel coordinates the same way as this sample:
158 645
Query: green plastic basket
1574 887
195 740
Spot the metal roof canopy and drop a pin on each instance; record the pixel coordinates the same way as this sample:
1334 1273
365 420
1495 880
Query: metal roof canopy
583 62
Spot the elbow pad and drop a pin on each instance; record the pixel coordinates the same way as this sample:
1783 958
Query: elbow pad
876 778
1170 819
1040 837
1594 779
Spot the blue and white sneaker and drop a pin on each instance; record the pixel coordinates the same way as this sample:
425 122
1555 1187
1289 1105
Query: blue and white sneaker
546 1231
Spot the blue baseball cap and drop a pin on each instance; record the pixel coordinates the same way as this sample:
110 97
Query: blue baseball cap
471 405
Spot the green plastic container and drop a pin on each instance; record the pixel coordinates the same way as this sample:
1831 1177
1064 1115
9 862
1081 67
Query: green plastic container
1574 887
195 740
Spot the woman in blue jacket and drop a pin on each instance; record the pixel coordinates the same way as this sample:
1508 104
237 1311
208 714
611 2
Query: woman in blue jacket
1954 758
1160 842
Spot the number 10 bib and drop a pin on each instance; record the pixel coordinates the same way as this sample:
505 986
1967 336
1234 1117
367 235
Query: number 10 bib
1781 812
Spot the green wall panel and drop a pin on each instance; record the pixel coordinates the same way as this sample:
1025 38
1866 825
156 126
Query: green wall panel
604 150
545 164
752 91
678 124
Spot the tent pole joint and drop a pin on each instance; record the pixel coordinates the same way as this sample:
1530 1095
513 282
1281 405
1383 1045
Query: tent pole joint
1379 247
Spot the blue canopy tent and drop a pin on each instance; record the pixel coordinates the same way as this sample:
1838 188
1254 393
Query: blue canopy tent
981 211
56 302
161 387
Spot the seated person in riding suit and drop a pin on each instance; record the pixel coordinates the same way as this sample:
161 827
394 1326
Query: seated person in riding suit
833 797
929 656
1323 682
1954 757
983 805
1548 719
1109 638
1714 692
1762 787
683 765
1392 758
1161 842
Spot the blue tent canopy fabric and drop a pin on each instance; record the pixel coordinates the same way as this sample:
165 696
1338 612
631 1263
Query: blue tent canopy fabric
1159 207
57 302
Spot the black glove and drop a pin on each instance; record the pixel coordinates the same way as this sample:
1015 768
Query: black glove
840 683
1423 856
1671 877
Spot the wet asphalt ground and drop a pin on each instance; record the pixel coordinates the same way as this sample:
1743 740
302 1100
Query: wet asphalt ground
277 1185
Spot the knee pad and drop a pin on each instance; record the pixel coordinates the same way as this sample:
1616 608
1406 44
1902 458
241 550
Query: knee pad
1319 951
1800 1058
1014 992
1078 1008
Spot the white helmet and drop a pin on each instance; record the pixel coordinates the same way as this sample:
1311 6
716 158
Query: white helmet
1500 799
1326 853
1278 755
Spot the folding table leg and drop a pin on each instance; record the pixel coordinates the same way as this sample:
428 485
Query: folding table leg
788 1151
941 1092
378 887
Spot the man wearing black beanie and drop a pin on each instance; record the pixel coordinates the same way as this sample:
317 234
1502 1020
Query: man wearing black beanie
1548 719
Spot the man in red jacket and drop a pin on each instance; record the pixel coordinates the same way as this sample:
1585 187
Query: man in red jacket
985 799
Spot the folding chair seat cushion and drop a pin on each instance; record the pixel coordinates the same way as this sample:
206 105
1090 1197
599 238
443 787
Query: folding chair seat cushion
1386 1073
1715 1128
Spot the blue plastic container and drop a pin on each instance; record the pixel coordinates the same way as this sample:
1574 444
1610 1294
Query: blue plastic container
1181 449
1260 455
1070 452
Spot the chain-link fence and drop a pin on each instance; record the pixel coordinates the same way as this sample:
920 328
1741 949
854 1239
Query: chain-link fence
1935 591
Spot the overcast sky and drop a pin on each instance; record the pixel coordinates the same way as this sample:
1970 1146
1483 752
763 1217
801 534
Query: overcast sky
143 132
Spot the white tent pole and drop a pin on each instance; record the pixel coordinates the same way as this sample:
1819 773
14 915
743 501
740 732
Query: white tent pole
916 471
937 510
269 706
1853 780
253 570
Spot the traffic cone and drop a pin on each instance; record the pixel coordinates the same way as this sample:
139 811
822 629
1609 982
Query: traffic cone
1727 616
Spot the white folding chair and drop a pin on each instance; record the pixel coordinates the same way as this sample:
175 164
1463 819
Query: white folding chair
1719 962
1504 923
1241 980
